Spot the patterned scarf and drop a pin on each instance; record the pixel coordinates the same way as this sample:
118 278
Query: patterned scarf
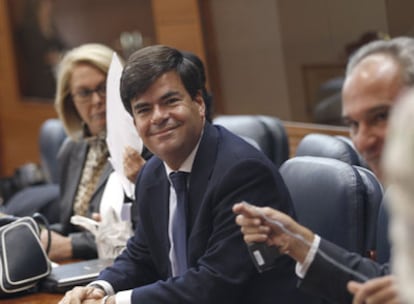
92 171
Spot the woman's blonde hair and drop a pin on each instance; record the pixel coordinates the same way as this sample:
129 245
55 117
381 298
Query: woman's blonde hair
98 56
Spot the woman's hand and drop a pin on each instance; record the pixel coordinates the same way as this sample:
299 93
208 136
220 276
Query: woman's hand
133 162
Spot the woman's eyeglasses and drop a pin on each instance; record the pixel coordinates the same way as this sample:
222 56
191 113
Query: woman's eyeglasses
85 95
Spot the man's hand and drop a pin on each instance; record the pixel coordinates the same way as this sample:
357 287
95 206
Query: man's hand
83 295
256 228
375 291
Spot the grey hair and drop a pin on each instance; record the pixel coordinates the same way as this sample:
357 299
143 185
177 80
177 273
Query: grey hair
401 49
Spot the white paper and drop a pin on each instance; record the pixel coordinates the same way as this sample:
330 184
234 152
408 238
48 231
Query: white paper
85 222
111 234
121 130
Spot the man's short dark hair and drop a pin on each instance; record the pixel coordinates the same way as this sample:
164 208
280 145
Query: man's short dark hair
146 65
207 96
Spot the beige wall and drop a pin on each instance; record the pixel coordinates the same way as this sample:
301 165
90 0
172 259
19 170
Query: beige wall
315 33
249 55
263 46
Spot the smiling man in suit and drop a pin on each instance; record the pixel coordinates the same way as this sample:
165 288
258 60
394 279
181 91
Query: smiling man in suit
211 263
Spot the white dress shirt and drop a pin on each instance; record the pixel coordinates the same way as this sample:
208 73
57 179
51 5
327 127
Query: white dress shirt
124 297
302 268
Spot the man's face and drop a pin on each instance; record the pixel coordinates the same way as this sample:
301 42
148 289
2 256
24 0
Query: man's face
368 95
168 120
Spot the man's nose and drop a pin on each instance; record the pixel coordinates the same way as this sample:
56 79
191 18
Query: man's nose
158 115
363 138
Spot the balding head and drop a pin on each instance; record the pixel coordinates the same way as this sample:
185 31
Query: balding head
376 76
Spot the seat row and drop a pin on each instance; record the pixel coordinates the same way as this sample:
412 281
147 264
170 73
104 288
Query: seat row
333 191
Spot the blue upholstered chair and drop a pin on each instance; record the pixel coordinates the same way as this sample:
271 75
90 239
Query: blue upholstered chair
383 247
267 131
42 197
333 198
52 134
323 145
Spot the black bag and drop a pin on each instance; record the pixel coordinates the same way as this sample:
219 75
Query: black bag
23 261
26 175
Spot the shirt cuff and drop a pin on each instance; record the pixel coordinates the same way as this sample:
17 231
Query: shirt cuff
107 288
302 268
123 297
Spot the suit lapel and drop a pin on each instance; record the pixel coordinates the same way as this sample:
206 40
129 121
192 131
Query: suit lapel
202 170
157 189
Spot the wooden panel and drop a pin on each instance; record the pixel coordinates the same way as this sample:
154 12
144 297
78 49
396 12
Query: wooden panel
175 12
296 131
172 35
19 120
178 24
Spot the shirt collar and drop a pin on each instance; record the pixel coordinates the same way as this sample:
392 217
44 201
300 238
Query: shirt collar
187 165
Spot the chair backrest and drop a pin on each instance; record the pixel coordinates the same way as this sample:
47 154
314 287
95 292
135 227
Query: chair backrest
332 198
383 242
331 146
267 131
52 134
373 201
361 161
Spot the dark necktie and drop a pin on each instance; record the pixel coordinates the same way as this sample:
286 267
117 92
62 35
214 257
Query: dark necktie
179 227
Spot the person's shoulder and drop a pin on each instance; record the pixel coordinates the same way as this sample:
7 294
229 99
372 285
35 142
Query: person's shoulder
152 167
71 147
67 146
240 148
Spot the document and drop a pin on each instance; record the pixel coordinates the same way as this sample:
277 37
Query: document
121 130
112 232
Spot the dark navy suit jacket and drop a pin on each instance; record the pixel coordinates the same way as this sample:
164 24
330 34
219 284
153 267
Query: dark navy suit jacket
329 281
226 170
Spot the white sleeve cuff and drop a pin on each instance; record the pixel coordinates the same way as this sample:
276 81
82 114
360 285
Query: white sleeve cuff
105 286
123 297
302 269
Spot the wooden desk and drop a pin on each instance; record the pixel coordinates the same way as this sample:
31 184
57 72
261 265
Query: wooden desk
36 298
39 297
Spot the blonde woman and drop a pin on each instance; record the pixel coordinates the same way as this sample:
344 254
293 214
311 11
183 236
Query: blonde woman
83 159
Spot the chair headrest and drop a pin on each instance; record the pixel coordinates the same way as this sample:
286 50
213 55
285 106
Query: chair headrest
268 132
323 145
52 135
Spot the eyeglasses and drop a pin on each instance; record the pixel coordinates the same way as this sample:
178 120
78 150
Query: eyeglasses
85 95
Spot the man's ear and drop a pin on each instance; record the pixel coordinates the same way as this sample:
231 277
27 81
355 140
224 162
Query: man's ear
200 101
